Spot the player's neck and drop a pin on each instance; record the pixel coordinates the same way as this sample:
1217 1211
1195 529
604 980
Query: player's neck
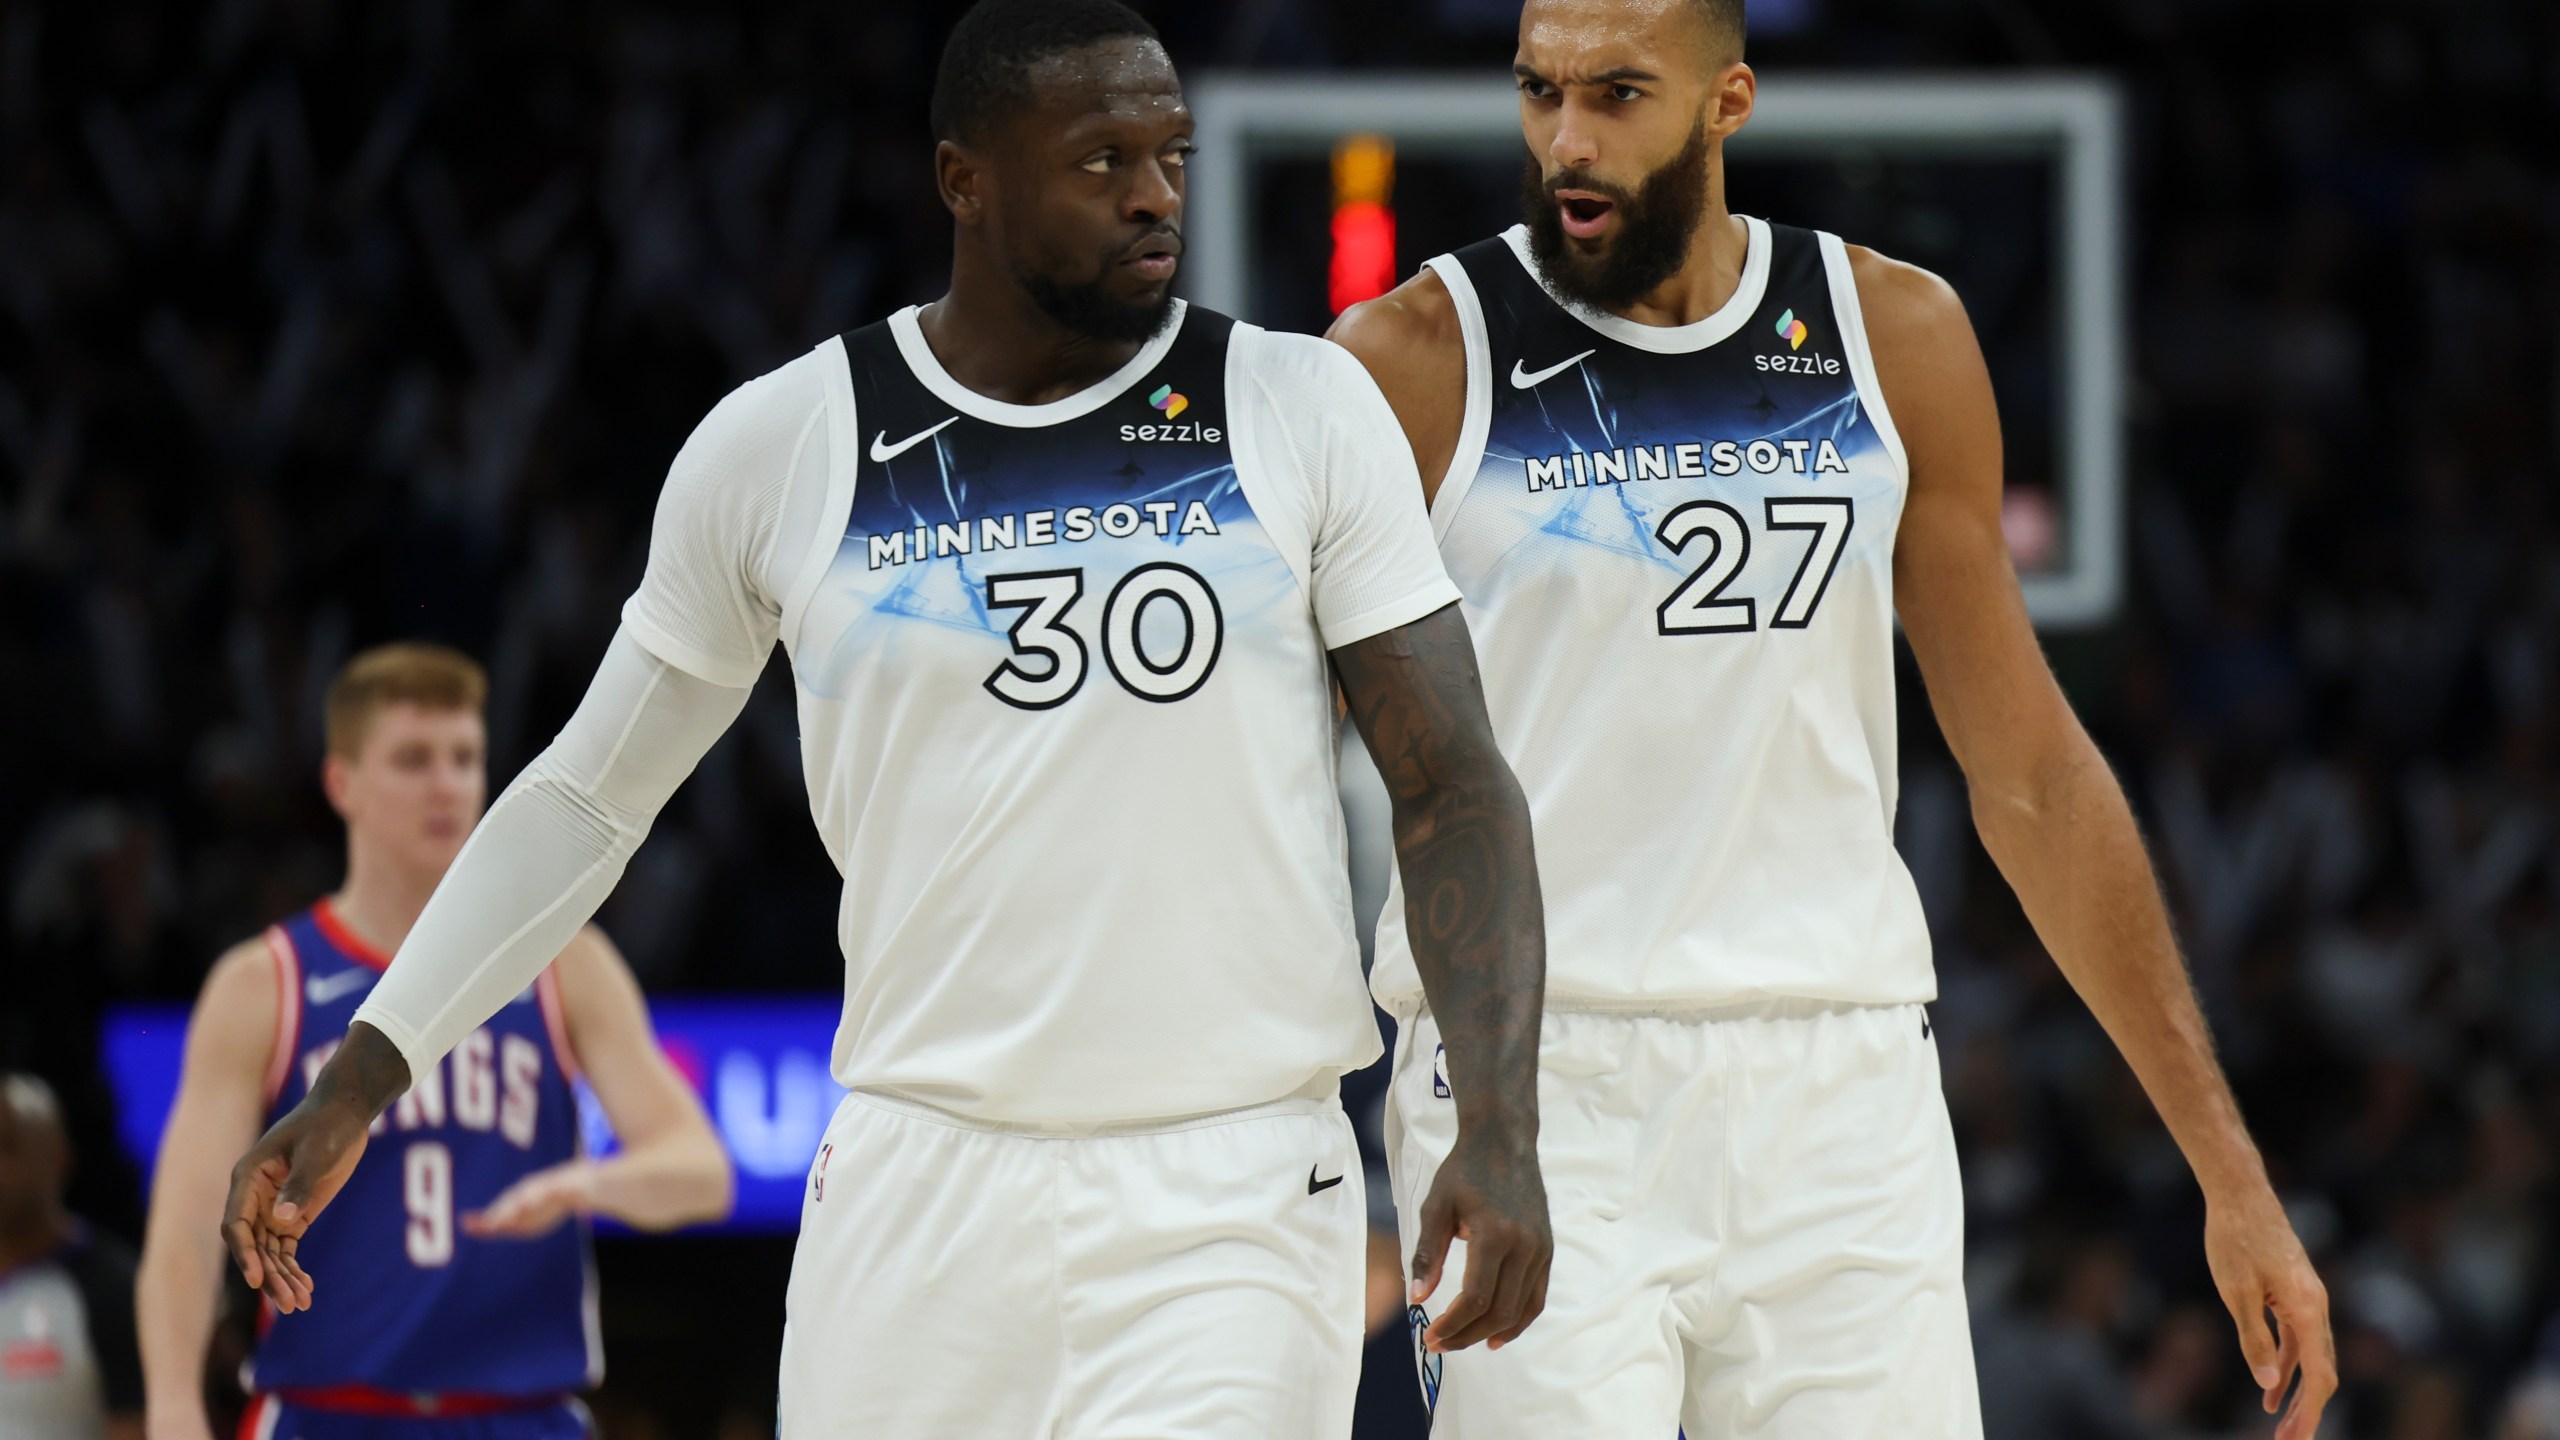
992 338
381 900
1706 279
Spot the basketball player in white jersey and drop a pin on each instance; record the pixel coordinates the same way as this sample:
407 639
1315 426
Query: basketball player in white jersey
1687 467
1065 572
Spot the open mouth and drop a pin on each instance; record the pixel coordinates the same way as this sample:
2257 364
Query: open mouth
1155 257
1584 214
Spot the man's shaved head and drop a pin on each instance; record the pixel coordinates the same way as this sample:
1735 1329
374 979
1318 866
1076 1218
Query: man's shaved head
1724 27
35 1156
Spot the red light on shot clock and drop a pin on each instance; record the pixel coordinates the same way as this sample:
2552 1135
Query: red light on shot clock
1364 224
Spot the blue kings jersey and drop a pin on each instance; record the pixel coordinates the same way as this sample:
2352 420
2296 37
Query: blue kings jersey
1676 547
407 1302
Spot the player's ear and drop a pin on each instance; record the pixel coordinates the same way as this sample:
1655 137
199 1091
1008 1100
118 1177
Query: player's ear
334 783
1729 107
961 179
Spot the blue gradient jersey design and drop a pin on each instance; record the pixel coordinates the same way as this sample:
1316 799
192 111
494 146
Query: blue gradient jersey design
1676 549
1068 727
411 1306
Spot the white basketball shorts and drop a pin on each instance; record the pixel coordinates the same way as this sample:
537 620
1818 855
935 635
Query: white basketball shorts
1199 1279
1759 1232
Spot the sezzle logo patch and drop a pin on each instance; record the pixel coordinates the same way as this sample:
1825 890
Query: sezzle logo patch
1795 332
1172 402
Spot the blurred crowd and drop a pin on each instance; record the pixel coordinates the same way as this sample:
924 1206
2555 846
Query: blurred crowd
332 324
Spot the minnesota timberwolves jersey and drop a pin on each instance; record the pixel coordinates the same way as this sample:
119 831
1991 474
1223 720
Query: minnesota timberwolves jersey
1068 723
411 1305
1676 549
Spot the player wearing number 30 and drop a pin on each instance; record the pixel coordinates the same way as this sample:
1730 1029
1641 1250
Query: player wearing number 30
1687 466
462 1296
1065 571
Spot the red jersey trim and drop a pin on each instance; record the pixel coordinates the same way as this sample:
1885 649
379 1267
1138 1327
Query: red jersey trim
366 1400
288 1011
555 1019
325 916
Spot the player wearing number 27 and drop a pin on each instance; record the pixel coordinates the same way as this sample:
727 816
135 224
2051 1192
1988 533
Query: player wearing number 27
1687 467
1065 571
464 1295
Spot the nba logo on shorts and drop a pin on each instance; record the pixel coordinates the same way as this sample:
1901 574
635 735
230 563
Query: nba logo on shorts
1439 1072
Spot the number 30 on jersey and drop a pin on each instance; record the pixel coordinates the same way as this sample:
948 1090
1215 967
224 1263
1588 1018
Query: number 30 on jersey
1163 672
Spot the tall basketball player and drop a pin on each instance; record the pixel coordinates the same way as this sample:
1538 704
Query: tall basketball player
464 1293
1687 467
1065 572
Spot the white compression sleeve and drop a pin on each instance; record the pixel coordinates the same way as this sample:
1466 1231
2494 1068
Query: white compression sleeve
550 851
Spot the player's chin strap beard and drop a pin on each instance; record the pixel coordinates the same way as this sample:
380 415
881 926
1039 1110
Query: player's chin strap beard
1655 225
1088 309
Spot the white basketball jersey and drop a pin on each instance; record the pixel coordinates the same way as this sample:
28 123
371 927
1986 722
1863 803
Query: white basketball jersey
1676 546
1068 725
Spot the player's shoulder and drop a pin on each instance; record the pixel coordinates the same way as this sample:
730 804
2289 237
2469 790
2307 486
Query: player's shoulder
1415 318
1900 301
247 968
1303 376
767 413
236 1009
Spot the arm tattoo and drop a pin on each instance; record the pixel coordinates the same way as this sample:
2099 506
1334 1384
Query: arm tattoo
1462 840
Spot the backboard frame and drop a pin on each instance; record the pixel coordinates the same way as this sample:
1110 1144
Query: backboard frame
1243 116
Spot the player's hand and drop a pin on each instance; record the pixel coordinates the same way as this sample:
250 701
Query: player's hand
1490 1194
2260 1268
535 1205
297 1167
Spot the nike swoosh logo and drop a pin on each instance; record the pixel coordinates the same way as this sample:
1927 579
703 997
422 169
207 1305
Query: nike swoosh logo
882 453
321 989
1523 379
1315 1185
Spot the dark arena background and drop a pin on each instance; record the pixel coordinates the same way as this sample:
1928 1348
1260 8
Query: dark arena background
331 324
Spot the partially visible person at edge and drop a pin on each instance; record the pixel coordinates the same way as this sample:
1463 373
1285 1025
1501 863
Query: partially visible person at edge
1688 467
464 1298
1066 571
69 1369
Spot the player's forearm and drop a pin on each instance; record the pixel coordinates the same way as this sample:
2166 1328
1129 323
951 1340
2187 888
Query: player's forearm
2064 836
540 864
549 851
681 1179
1473 913
175 1295
1472 908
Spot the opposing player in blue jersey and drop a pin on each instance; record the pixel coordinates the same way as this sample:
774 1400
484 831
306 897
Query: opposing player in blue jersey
1687 468
464 1294
1067 571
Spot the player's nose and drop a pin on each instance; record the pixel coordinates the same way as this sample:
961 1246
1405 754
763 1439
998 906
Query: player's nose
1575 146
1155 196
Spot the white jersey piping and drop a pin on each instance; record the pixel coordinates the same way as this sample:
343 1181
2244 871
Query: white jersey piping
1477 422
843 456
1853 340
927 368
1668 339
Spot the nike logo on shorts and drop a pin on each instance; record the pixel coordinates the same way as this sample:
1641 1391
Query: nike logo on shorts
882 453
1524 379
321 989
1315 1185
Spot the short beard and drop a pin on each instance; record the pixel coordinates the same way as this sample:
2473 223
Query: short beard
1089 311
1655 225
